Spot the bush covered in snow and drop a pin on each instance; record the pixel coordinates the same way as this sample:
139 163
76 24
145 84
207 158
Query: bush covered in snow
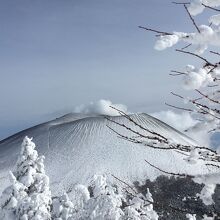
101 200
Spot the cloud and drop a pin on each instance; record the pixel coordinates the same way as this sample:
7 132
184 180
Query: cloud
101 107
184 121
180 121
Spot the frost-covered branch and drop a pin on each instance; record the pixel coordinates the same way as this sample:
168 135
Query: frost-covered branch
204 81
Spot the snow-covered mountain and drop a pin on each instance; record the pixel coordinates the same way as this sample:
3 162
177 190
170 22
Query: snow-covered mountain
78 146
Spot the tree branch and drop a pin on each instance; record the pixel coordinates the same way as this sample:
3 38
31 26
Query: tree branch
176 73
196 55
180 108
155 31
169 173
193 21
215 9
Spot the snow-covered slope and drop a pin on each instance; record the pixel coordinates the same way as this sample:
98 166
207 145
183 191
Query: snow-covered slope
77 146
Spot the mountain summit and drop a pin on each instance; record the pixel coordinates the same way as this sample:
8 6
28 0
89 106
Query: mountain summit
78 146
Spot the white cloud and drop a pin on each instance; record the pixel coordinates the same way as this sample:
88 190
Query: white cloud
101 107
180 121
184 121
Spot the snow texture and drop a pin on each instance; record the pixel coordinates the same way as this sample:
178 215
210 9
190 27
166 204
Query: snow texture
196 6
207 36
79 146
196 78
193 157
166 41
205 217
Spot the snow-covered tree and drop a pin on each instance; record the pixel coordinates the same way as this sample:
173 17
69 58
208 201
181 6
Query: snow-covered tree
102 203
62 208
101 200
202 79
190 216
31 173
106 202
10 198
29 195
141 207
204 102
65 208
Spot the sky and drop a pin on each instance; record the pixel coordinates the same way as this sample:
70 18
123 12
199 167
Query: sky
56 55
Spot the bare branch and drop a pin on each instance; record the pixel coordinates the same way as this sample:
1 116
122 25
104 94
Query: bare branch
155 31
188 45
207 97
125 183
211 86
215 9
216 53
192 19
211 70
169 173
196 55
181 3
137 124
187 3
158 139
179 96
154 141
134 140
180 108
176 73
213 165
205 109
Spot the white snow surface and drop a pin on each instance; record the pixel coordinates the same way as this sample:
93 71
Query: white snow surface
79 146
196 6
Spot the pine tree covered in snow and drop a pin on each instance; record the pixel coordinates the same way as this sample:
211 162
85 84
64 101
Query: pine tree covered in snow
10 198
30 172
29 196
